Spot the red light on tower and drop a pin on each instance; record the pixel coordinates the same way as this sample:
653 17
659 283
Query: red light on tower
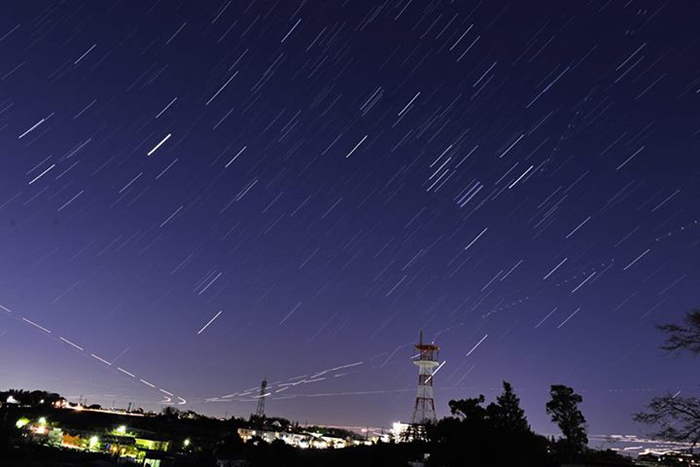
424 408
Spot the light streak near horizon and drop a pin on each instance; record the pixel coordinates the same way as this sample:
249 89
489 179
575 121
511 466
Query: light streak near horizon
516 176
81 349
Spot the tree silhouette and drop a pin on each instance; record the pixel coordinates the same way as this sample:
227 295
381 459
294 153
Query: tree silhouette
506 413
231 447
683 337
469 409
678 418
564 411
32 398
497 434
170 412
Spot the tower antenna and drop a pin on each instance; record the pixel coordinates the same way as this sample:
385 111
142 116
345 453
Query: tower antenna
260 411
424 408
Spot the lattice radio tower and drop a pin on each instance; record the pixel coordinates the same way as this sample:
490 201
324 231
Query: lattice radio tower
424 408
260 411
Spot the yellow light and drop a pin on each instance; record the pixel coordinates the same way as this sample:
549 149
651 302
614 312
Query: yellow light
22 422
93 441
187 442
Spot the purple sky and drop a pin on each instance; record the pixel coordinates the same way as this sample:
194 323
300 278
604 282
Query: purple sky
326 179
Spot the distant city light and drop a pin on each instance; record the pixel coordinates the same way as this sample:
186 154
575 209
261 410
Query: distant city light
121 429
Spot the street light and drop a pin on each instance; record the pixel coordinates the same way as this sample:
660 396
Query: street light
187 442
121 429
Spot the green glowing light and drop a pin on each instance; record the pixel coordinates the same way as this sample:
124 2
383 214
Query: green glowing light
22 422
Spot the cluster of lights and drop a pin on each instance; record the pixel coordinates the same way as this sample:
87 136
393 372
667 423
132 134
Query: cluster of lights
39 428
93 441
24 421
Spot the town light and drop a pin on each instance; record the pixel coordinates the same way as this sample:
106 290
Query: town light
21 422
121 429
93 441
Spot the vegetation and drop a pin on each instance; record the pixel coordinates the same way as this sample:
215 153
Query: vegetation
497 434
33 398
506 413
677 418
564 411
684 337
476 433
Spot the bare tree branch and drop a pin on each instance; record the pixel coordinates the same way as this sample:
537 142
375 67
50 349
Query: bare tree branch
678 418
683 337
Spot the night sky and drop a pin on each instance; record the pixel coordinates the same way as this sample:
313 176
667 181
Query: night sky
195 195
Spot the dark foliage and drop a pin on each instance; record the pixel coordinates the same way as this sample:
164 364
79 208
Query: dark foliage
258 453
170 411
678 418
494 435
475 434
506 413
563 408
683 337
32 398
231 447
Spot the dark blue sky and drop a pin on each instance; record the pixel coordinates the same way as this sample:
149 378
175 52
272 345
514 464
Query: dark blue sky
326 179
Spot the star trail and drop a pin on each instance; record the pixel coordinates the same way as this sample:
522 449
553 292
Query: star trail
195 196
